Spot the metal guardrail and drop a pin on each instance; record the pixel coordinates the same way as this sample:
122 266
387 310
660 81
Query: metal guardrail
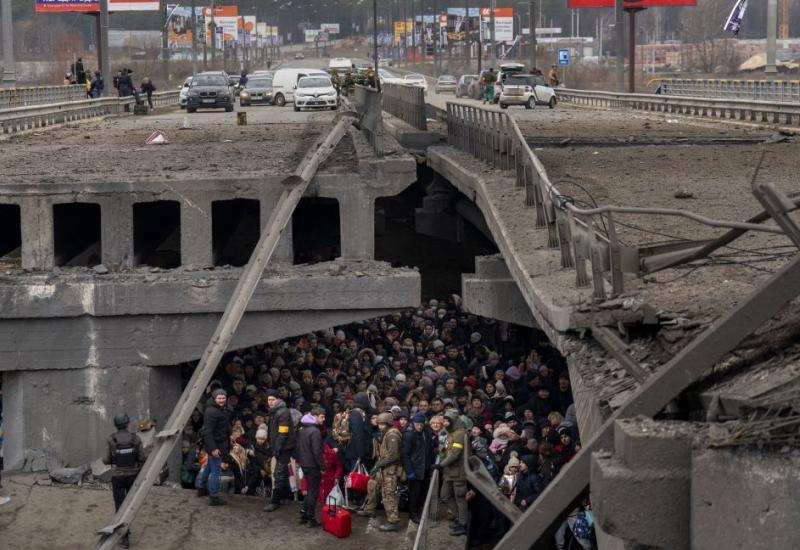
495 138
406 103
761 90
40 95
21 119
368 104
726 109
430 513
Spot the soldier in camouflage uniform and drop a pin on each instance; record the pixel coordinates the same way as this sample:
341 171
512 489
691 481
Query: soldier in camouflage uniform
348 82
385 474
451 466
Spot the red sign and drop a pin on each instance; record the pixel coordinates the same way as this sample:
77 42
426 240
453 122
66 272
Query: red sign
574 4
61 6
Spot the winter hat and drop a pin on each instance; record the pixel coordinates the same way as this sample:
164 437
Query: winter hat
501 432
250 388
219 391
273 393
400 377
475 337
513 373
419 418
438 344
261 432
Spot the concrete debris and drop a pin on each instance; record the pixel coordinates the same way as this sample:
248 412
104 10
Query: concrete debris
100 471
777 137
4 500
683 194
100 269
69 476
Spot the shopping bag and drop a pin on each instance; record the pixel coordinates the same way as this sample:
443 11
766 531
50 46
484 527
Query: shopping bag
358 479
335 519
335 496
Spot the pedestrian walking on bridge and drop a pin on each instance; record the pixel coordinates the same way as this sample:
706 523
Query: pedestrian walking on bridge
125 454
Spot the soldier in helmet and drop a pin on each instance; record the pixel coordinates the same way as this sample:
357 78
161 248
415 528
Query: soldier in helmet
451 464
385 474
125 454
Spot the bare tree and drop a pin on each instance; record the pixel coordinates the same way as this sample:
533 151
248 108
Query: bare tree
708 46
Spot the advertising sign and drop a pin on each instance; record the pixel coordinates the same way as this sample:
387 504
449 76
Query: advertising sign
563 56
140 5
331 28
402 28
60 6
249 26
503 24
179 28
221 11
229 26
574 4
311 35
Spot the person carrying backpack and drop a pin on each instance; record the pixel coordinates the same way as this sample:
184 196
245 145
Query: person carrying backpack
125 454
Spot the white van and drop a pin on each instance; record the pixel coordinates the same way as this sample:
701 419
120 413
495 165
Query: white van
284 83
340 64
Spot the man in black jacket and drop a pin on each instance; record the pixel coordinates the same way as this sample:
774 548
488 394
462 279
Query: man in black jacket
309 456
125 454
418 457
282 443
216 442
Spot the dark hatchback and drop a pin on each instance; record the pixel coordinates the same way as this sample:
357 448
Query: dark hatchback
209 91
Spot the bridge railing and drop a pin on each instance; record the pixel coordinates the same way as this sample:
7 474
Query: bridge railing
430 513
406 103
748 110
21 119
761 90
40 95
495 138
368 104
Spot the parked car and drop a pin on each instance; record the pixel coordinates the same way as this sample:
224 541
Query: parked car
462 88
209 91
315 91
257 90
506 69
446 83
528 90
262 73
285 81
299 55
414 79
184 92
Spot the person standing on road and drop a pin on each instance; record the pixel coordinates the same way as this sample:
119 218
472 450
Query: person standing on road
454 487
552 76
282 443
310 457
385 474
147 89
125 454
216 442
98 85
417 462
488 86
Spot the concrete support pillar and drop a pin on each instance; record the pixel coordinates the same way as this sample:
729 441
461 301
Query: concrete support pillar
68 414
37 233
117 232
650 471
196 233
357 223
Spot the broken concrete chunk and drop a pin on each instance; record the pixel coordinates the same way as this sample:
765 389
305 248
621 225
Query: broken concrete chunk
100 269
101 471
69 476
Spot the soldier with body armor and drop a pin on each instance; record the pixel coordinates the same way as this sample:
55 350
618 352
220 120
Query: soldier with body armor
125 454
451 465
388 470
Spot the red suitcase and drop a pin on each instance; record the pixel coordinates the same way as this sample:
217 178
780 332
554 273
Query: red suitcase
336 520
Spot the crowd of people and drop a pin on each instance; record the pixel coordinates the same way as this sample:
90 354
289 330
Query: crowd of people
370 410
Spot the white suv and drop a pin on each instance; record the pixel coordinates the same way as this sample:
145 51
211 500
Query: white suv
315 91
528 90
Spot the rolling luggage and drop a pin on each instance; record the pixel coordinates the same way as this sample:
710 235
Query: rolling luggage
336 520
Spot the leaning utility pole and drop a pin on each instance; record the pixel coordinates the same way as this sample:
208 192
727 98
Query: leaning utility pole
619 29
9 74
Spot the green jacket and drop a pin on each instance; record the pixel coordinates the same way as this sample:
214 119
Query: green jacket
452 456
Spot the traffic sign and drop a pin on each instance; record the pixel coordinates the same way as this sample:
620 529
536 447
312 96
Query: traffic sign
563 56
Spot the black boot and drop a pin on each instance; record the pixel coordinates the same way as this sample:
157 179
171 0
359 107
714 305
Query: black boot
313 523
216 501
202 492
303 518
271 507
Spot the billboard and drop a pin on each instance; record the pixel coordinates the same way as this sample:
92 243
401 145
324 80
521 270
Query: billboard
247 23
311 35
331 28
221 11
503 24
402 28
229 26
60 6
574 4
179 28
140 5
